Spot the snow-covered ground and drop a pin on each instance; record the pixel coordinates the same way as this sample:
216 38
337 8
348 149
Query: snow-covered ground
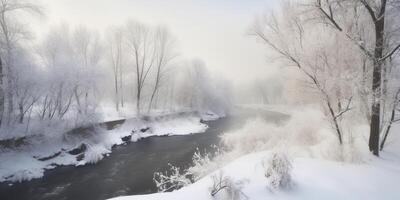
43 152
313 179
321 169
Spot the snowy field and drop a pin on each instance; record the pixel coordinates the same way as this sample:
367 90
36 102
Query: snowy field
43 152
313 179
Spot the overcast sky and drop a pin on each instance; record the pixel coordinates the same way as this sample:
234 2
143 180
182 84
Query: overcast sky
212 30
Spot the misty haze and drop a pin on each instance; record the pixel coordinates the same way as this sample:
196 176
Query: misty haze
199 99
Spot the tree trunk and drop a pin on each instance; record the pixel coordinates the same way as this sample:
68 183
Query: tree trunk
121 89
388 128
21 113
151 100
376 86
116 92
77 98
154 90
138 101
1 92
10 95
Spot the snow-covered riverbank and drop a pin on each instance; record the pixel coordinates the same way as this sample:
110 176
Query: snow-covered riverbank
312 178
42 152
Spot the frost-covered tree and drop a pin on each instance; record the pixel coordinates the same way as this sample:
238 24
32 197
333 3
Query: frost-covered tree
71 61
12 33
341 47
346 17
317 54
200 91
87 52
164 44
115 38
140 41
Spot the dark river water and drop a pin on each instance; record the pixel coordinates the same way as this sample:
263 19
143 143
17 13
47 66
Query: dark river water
129 169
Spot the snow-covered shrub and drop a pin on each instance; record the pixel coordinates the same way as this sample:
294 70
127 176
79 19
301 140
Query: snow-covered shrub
225 188
172 180
306 133
203 164
206 162
255 135
354 144
277 171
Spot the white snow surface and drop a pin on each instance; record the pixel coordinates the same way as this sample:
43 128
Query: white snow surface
313 179
23 163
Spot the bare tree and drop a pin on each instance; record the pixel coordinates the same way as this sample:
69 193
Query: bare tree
71 59
141 44
322 66
87 50
377 11
164 54
116 55
11 32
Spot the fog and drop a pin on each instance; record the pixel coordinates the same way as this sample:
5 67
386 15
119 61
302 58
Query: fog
214 31
291 83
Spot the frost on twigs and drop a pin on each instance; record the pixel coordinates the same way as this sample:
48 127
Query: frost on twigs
206 162
277 171
225 188
171 180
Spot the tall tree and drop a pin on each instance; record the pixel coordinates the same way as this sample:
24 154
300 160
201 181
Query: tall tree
11 32
115 37
141 44
316 56
377 11
164 44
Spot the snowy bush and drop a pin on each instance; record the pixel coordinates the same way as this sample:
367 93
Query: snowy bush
207 162
203 164
300 134
255 135
225 188
172 180
277 171
353 148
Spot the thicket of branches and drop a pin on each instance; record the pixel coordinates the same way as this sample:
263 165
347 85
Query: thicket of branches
346 52
71 70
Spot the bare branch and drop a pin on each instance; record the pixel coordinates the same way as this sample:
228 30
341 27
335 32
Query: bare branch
390 53
369 9
346 109
329 16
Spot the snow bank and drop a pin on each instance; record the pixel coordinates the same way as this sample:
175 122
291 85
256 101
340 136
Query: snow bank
313 179
43 152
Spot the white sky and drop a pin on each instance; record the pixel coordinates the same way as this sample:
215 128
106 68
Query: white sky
212 30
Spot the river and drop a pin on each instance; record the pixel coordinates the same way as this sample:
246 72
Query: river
129 168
